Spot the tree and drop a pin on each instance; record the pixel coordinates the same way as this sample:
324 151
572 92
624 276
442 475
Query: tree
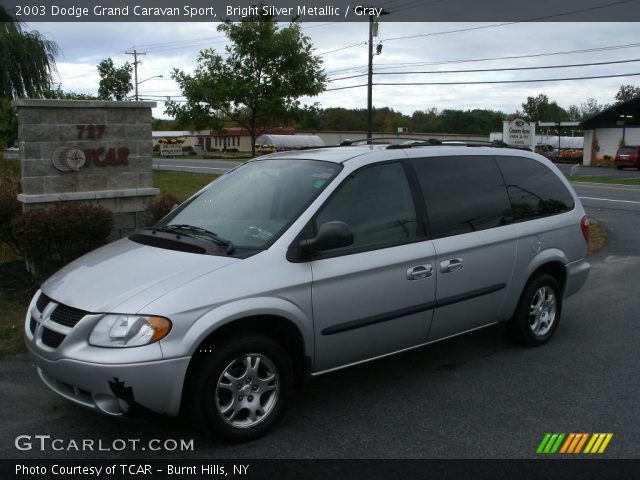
426 120
537 109
626 93
574 113
591 107
554 113
115 83
27 59
59 94
256 84
8 123
534 107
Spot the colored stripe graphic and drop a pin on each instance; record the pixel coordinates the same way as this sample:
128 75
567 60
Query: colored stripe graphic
598 443
553 443
550 443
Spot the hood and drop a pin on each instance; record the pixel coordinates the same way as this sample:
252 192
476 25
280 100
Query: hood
124 276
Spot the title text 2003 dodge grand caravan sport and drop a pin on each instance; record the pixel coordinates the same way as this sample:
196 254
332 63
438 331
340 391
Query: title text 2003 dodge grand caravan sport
304 262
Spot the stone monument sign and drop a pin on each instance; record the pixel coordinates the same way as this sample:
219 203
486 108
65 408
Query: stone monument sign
87 151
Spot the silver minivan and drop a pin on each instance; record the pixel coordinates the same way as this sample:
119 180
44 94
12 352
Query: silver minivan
301 263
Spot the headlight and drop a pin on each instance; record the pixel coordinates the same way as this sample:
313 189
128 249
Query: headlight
128 330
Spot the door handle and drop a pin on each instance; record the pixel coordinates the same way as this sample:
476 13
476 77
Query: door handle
452 265
419 271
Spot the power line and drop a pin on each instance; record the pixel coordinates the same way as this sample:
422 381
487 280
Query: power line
194 42
343 48
483 27
491 81
384 66
535 19
477 70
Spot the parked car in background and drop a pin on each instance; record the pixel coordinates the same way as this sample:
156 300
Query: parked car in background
547 151
628 156
302 263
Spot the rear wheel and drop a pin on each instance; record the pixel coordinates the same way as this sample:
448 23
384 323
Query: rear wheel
619 167
538 313
239 391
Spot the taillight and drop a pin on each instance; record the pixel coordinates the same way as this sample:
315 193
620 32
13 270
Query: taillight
584 226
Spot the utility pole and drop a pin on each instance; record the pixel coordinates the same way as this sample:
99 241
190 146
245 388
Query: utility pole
135 54
372 25
370 83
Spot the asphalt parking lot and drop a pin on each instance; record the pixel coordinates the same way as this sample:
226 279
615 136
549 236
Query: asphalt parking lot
476 396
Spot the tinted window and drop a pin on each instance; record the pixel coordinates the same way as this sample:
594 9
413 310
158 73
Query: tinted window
534 190
463 194
376 203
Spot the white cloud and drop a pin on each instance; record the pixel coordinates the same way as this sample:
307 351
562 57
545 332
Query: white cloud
176 45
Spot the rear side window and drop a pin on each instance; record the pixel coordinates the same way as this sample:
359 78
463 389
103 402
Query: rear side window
534 189
463 194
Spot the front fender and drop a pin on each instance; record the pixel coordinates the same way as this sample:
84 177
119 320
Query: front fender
232 311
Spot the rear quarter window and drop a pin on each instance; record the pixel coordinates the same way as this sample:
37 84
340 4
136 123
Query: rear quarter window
534 189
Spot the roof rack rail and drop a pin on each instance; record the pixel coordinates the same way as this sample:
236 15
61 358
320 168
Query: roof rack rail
383 140
462 143
411 142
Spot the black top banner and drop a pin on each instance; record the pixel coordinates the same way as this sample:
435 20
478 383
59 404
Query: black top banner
324 10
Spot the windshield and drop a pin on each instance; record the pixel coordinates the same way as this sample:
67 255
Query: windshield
251 205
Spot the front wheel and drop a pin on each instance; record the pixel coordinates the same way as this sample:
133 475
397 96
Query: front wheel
618 167
239 388
538 313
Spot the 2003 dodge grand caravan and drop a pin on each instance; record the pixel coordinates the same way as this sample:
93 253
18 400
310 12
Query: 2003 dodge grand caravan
303 263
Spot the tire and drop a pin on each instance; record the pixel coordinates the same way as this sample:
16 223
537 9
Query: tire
538 313
618 167
251 376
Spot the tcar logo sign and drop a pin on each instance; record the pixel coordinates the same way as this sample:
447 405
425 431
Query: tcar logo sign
68 159
72 159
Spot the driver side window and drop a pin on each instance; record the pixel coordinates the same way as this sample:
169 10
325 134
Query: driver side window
376 203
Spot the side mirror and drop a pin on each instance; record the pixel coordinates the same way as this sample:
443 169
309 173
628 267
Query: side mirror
330 235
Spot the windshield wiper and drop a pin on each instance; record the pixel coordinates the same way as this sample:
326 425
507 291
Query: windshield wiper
214 237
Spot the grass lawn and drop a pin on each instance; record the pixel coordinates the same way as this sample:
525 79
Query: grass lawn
621 181
180 184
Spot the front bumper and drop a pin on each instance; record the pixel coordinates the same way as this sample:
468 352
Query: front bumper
118 389
116 381
577 273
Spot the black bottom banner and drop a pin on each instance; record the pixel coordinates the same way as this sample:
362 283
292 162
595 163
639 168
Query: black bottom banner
320 469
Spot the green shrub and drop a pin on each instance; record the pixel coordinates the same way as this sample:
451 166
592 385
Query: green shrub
9 204
159 207
52 237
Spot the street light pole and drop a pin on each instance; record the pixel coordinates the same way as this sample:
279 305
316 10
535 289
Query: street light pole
142 81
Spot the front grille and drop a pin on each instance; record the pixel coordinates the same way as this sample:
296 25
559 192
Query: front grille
42 302
32 324
52 339
67 316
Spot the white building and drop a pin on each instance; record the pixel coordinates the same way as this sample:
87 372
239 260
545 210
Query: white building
606 131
